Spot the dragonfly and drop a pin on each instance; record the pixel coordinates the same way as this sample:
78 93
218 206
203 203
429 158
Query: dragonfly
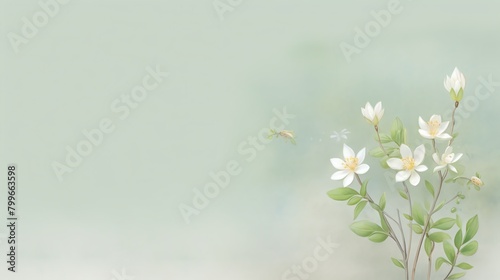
285 134
340 135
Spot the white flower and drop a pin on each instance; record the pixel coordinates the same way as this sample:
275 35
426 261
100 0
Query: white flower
447 158
349 166
476 181
455 82
434 128
408 164
373 115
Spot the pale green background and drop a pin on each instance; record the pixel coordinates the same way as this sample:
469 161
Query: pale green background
119 208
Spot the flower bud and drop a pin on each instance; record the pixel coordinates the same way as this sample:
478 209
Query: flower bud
476 181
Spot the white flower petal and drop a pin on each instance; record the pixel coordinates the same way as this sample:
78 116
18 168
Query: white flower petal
395 163
348 152
436 158
402 175
452 168
348 179
442 127
414 178
364 113
380 114
444 136
425 134
439 167
446 85
423 125
421 168
337 163
457 157
362 169
340 174
361 155
419 154
436 118
368 112
405 151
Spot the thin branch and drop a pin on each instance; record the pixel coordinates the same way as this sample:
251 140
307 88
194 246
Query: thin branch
426 225
453 122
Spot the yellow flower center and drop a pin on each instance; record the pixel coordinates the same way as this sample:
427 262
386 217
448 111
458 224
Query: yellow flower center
408 163
351 163
433 127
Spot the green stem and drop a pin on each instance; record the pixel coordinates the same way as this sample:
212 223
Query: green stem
447 202
452 265
430 263
407 251
453 122
404 251
427 221
380 141
385 215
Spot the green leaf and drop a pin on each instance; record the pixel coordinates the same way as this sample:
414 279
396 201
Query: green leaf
459 221
471 228
382 201
417 229
439 237
383 222
397 126
465 266
384 138
429 187
439 206
470 249
375 206
342 194
460 95
453 95
408 217
403 194
359 208
362 191
418 214
378 237
365 228
444 223
402 135
428 246
398 263
377 152
391 150
456 275
354 200
458 239
440 261
449 251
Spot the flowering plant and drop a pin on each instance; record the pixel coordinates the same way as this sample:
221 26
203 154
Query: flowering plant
419 227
